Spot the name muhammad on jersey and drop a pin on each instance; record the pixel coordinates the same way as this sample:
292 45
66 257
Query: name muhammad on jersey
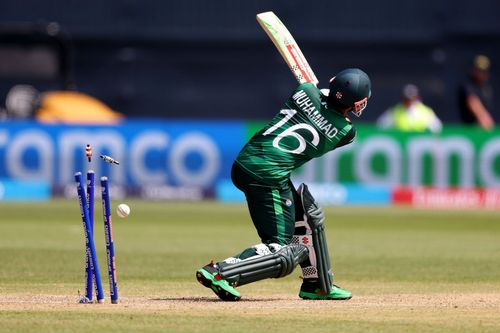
305 103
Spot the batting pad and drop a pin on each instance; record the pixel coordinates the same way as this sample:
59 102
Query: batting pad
311 233
274 265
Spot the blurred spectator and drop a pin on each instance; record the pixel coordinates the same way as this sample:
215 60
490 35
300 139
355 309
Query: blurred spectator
24 102
20 103
410 115
476 95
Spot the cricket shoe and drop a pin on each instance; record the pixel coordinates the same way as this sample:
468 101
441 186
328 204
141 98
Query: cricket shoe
209 276
310 290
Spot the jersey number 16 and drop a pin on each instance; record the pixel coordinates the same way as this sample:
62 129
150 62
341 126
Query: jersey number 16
291 132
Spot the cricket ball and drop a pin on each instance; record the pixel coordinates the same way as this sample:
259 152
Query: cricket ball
123 210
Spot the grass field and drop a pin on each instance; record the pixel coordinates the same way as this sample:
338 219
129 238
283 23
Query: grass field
409 270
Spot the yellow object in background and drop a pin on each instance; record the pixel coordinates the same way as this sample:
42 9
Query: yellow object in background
72 107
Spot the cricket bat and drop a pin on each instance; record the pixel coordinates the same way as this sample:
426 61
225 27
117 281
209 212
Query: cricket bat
288 48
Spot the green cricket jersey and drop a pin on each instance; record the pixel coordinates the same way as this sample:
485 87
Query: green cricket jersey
304 129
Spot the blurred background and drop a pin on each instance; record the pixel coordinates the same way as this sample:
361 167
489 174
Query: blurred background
174 89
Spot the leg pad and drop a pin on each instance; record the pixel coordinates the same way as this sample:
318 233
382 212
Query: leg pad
274 265
311 233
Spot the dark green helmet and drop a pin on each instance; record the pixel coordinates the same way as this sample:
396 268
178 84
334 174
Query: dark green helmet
350 89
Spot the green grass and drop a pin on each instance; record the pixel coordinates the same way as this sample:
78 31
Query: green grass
410 270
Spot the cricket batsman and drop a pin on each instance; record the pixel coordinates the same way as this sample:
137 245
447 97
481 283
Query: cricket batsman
289 221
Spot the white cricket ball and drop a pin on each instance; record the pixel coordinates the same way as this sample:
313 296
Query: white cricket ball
123 210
